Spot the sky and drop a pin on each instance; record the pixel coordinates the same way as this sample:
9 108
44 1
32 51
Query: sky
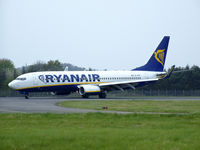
100 34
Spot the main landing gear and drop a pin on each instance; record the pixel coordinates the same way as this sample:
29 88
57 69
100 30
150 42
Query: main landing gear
101 95
85 96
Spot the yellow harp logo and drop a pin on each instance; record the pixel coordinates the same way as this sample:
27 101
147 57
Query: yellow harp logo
160 55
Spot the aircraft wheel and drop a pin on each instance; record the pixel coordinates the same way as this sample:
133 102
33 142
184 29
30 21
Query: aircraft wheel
85 96
26 97
102 95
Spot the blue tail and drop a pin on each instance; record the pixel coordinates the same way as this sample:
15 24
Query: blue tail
157 60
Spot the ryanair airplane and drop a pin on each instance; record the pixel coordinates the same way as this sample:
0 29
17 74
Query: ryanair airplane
88 83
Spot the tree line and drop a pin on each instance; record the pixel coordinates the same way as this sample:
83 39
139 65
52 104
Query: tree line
183 78
8 72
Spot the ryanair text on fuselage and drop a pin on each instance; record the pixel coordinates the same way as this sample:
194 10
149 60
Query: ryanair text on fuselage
69 78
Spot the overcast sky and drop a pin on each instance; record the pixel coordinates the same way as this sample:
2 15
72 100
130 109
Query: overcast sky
101 34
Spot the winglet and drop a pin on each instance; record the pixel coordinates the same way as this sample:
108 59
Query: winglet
166 75
169 72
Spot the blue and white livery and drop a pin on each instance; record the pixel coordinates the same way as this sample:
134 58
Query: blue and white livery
88 83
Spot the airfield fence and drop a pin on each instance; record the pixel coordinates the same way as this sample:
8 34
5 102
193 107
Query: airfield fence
157 93
128 93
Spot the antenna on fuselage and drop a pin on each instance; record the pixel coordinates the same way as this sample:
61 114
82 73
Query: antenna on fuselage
66 68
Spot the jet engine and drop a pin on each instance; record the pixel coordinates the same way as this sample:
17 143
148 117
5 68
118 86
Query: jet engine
89 90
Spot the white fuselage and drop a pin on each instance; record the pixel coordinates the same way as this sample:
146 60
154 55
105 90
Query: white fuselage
95 82
66 78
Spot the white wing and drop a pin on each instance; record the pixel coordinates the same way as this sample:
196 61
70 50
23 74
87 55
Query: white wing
125 84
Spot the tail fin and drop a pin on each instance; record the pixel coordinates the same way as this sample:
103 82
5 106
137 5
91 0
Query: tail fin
157 60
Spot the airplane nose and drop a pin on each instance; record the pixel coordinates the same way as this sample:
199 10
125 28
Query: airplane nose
11 85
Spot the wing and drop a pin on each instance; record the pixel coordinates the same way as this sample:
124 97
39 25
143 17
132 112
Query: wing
125 84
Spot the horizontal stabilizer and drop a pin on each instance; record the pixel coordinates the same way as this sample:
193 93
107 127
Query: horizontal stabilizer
166 75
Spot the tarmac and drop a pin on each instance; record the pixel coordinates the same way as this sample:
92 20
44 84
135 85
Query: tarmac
49 104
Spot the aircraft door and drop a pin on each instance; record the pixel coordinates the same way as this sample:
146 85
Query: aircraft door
35 80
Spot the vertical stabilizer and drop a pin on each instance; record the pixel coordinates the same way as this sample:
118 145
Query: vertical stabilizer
157 60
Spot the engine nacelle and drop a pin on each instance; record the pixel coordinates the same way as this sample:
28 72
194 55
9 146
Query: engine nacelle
89 89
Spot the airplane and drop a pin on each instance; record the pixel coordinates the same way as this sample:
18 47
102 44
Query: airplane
88 83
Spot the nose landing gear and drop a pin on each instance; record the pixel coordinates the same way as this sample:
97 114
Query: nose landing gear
26 95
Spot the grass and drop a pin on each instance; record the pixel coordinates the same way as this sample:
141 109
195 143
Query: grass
97 131
100 131
137 105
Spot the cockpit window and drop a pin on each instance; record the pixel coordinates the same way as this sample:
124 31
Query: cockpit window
22 79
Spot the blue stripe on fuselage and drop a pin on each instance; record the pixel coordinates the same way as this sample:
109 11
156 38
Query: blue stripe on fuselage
66 88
